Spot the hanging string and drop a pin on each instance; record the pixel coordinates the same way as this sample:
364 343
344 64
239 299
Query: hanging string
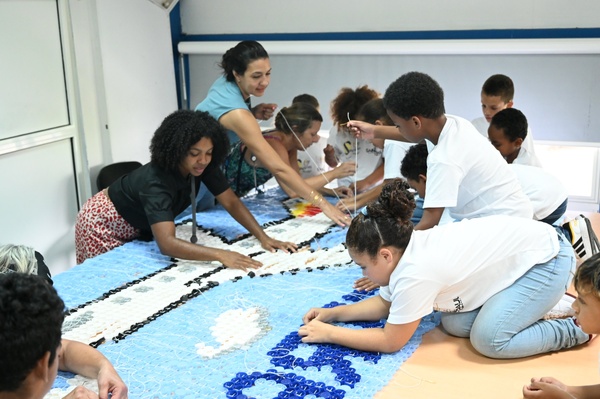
313 161
193 238
355 164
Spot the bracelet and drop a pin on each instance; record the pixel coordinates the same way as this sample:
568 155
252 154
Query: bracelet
315 198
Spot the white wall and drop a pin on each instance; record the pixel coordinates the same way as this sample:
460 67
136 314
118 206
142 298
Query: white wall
276 16
126 75
92 95
40 141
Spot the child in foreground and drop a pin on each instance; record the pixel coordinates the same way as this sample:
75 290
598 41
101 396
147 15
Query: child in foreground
587 310
483 274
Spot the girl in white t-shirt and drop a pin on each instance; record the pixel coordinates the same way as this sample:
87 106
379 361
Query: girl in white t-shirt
493 277
343 147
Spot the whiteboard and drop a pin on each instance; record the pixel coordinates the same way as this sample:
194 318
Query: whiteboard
558 93
31 71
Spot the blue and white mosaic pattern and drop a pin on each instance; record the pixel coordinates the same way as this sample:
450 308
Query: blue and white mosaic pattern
186 329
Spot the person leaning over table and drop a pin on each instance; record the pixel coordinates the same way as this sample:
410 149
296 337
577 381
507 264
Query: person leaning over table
144 203
246 73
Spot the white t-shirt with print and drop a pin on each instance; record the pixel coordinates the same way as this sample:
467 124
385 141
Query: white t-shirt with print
369 157
471 261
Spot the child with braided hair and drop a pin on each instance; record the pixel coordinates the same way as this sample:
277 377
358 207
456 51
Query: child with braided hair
484 274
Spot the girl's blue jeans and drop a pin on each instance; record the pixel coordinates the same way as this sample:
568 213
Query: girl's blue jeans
509 324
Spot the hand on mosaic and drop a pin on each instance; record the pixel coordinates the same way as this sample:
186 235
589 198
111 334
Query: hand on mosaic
315 331
364 284
264 111
345 169
235 260
362 130
81 393
337 216
547 388
271 245
110 382
343 192
322 314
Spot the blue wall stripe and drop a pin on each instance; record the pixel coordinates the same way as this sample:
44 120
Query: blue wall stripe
176 37
567 33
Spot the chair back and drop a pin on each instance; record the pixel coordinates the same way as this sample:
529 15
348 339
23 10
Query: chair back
112 172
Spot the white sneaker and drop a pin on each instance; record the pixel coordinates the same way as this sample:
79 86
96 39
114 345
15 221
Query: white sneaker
583 239
562 309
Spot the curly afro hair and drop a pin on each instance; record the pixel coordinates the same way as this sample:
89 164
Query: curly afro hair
349 101
182 129
415 94
386 222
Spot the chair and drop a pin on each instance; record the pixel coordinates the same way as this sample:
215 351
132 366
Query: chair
112 172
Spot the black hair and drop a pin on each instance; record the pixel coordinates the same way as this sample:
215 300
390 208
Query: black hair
414 162
386 221
415 94
237 58
306 98
349 101
182 129
299 116
373 111
512 122
499 85
587 276
31 317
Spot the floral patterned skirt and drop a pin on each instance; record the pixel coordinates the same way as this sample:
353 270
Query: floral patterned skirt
100 228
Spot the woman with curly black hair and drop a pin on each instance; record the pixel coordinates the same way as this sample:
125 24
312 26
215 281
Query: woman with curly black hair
144 203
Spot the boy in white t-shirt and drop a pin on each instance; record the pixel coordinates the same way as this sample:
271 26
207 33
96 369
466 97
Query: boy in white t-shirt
507 133
497 94
465 173
548 196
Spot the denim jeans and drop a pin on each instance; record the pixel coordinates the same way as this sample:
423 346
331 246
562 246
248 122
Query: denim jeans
418 212
509 324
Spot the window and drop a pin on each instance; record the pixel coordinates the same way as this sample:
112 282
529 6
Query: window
577 168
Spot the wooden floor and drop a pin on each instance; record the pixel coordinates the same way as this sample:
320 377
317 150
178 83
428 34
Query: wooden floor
448 367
